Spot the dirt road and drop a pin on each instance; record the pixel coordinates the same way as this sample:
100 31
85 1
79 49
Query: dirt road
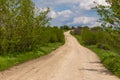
69 62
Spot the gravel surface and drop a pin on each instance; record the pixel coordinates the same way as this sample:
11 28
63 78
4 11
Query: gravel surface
69 62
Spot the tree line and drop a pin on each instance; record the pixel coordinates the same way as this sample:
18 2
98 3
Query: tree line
21 29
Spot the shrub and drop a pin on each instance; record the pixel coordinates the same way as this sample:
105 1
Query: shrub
102 46
88 37
77 31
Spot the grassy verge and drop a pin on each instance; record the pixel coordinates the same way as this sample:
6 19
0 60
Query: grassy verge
10 60
109 59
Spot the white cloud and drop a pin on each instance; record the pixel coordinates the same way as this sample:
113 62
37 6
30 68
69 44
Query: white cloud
73 9
65 13
52 14
84 4
88 4
93 24
83 20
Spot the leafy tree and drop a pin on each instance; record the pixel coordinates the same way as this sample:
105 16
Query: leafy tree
110 15
110 18
65 27
22 30
72 27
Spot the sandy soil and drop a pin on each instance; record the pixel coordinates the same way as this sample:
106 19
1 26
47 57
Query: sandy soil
69 62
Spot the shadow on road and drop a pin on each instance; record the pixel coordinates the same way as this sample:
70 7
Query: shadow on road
101 71
96 62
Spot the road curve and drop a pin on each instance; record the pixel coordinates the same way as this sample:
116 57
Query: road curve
69 62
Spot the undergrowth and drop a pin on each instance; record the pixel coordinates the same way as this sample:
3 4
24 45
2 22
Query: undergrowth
7 61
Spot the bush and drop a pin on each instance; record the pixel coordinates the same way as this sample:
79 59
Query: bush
102 46
96 36
53 38
88 37
112 63
77 31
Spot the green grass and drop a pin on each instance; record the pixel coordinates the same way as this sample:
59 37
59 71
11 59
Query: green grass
79 38
109 59
10 60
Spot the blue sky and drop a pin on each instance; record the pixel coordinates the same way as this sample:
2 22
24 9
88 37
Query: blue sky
71 12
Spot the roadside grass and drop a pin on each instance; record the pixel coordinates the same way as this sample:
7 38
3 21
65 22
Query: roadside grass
10 60
109 59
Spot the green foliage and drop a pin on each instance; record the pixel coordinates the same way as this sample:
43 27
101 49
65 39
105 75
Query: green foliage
103 41
109 59
72 27
110 14
106 39
96 29
60 37
23 28
24 34
65 27
110 18
103 46
88 37
10 60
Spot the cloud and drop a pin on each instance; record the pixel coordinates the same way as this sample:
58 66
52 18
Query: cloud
52 14
88 4
83 20
65 13
77 12
93 24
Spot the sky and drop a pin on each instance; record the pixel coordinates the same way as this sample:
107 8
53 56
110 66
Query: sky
71 12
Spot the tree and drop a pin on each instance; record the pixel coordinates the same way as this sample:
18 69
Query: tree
72 27
110 14
65 27
110 18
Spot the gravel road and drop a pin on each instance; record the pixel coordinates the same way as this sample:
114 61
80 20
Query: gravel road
69 62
